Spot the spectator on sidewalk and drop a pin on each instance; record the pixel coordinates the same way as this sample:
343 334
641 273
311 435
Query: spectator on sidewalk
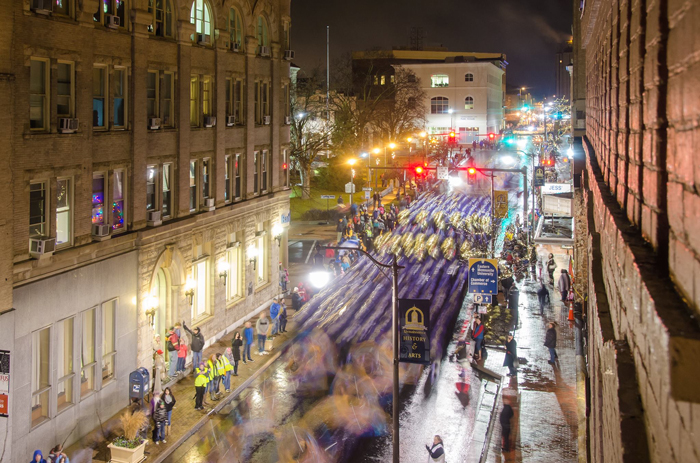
160 416
564 285
437 451
169 400
200 385
506 415
478 337
173 345
550 342
551 267
284 277
248 334
197 344
511 355
57 455
181 357
214 377
38 457
236 344
283 317
513 304
543 297
340 229
261 327
226 362
274 316
318 261
158 372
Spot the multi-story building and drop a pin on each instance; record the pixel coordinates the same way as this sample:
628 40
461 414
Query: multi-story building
465 90
562 78
144 153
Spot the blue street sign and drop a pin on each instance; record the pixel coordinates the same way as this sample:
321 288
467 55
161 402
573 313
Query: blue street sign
482 299
483 276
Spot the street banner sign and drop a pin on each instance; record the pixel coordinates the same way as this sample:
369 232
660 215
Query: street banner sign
366 194
414 326
349 187
483 276
500 201
327 196
366 189
482 299
539 176
442 173
4 383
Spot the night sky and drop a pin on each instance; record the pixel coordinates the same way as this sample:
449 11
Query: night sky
529 32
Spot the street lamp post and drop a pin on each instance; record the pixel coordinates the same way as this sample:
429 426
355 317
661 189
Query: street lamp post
352 177
394 341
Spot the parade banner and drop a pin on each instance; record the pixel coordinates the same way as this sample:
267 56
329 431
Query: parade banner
4 383
539 176
500 201
414 326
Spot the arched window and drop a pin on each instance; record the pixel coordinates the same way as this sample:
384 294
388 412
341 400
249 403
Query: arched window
235 27
162 18
439 105
200 16
469 103
469 77
261 32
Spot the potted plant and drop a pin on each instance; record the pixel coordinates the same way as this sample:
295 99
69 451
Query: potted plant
130 447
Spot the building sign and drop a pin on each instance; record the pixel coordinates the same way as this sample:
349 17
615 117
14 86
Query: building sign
483 276
414 326
442 173
500 201
539 176
5 383
327 196
557 205
556 188
286 219
482 299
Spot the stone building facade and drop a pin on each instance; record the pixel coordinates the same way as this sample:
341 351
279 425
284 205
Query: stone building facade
641 204
144 173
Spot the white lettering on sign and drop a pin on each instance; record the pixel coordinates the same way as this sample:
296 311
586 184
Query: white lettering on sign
554 188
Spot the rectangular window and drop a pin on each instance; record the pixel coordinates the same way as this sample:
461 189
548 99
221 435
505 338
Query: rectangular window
98 198
193 185
238 101
227 178
207 84
65 89
256 169
62 7
229 100
263 170
287 102
152 93
64 212
64 363
439 80
194 101
201 276
234 286
382 80
151 178
38 94
41 372
262 245
237 177
265 97
99 109
118 201
109 349
167 191
87 354
258 118
119 100
168 102
205 178
38 225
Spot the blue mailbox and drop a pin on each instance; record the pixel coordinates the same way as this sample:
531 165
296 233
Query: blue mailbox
138 383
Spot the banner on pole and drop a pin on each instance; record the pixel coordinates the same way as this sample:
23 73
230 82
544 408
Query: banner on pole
539 176
414 326
500 201
5 383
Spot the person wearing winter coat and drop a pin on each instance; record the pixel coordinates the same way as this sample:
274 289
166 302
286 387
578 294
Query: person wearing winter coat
274 316
160 416
215 374
550 342
200 385
564 285
511 355
296 299
543 297
172 343
236 344
197 344
181 356
340 229
226 363
478 337
38 457
57 455
284 277
261 327
551 266
437 451
283 317
158 372
249 336
504 418
169 400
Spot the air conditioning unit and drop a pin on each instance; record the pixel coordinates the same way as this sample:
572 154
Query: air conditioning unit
287 120
209 204
235 47
40 247
100 231
154 218
209 121
154 123
264 51
42 6
266 120
67 125
289 55
203 39
113 21
230 121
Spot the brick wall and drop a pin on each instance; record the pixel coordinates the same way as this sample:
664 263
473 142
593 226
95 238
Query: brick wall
641 197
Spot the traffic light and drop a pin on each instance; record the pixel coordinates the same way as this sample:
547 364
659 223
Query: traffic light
452 137
548 162
492 136
419 170
284 166
471 175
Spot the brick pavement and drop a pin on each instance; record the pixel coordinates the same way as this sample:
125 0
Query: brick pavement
543 397
184 416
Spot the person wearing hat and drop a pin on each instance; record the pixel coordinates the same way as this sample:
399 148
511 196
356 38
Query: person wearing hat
296 299
158 371
511 355
197 344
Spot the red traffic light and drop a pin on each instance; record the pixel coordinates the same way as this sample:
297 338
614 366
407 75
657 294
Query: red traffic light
453 135
492 136
284 166
419 170
471 171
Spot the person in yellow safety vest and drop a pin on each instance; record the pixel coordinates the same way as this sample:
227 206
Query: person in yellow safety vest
200 385
228 368
214 377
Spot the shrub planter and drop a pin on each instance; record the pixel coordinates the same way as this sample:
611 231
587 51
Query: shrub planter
127 455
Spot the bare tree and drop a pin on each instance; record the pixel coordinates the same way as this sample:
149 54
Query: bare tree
402 112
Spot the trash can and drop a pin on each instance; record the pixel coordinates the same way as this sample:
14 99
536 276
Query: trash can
138 383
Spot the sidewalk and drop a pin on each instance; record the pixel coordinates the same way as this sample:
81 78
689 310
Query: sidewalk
184 416
545 422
